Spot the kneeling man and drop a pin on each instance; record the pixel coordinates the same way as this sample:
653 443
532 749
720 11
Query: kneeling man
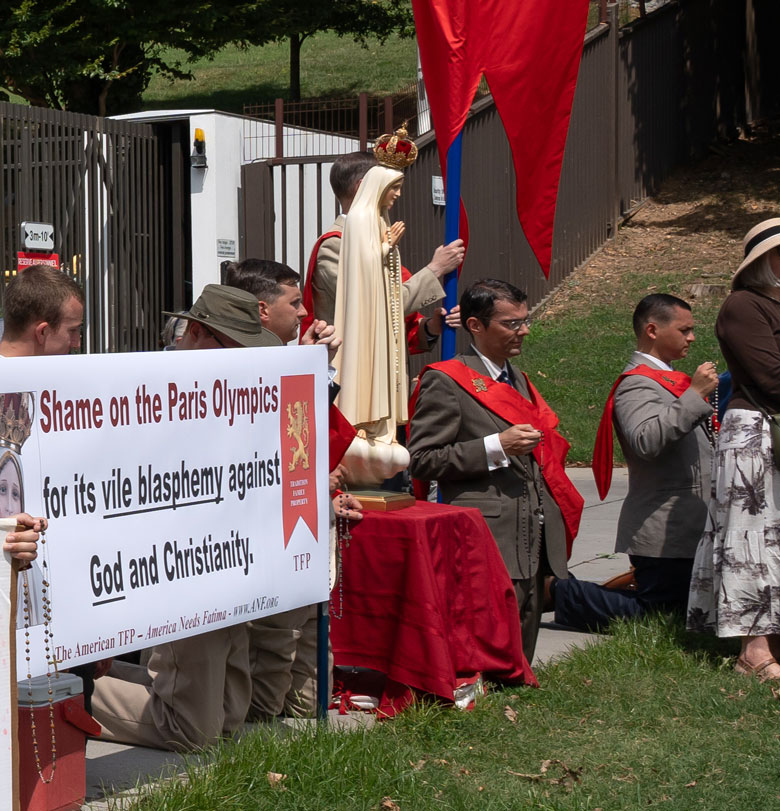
662 420
486 435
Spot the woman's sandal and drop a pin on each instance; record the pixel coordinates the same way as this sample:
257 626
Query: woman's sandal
760 671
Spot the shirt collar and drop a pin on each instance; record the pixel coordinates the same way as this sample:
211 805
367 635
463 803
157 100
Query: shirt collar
656 361
494 370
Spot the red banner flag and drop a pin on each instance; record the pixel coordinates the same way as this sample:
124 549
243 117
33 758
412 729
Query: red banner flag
299 454
530 51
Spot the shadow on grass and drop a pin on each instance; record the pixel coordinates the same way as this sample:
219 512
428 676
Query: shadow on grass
708 646
233 100
228 101
653 639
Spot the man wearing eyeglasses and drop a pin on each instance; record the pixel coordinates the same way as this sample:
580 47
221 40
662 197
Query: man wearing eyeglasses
485 434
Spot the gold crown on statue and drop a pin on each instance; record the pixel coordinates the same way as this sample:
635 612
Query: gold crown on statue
396 151
15 419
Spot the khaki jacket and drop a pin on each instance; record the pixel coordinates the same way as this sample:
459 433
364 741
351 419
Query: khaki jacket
422 289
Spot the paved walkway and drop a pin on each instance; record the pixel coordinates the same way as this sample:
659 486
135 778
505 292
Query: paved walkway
591 557
113 768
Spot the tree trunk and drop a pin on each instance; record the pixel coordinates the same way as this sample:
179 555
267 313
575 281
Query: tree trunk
295 67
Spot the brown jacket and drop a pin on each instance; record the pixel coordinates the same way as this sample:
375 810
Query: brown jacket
748 328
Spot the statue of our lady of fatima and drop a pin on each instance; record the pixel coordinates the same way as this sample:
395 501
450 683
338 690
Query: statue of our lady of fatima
371 363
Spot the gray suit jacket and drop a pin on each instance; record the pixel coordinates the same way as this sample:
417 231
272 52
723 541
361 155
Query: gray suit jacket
665 440
446 443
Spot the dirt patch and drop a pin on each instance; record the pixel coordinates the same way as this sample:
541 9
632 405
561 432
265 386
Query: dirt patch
695 225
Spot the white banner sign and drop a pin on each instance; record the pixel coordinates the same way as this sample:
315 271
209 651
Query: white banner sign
186 491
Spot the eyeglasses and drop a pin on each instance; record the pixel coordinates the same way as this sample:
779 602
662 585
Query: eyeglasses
515 324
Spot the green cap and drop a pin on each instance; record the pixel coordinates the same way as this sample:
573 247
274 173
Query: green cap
233 312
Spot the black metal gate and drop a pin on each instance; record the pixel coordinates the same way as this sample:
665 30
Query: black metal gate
105 186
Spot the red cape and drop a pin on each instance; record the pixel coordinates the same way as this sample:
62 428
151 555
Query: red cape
674 382
507 403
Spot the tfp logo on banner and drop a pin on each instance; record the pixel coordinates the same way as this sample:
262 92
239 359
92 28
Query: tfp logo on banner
173 483
299 448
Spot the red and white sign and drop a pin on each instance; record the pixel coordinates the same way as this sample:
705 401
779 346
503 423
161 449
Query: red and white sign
26 258
170 480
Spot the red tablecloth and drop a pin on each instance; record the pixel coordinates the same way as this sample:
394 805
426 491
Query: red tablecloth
427 598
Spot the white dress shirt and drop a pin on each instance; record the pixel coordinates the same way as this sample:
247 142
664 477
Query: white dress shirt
496 458
655 361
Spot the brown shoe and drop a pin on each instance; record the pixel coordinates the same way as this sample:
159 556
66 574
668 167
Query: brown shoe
768 670
623 581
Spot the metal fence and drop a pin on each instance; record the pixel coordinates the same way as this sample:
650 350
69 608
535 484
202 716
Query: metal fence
362 117
100 183
651 94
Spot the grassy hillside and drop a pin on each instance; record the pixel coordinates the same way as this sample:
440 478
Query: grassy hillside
330 66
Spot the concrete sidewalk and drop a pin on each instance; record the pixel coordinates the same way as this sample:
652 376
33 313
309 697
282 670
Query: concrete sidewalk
115 768
592 557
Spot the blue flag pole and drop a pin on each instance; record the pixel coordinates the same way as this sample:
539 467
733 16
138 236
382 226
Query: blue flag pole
451 228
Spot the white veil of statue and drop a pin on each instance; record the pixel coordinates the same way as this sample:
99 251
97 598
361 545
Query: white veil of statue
371 363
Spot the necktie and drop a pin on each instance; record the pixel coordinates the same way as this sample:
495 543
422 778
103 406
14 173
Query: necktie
504 378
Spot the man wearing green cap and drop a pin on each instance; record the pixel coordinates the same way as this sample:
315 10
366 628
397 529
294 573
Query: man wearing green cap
195 690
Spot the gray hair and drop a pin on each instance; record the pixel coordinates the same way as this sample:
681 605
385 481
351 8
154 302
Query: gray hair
174 329
759 274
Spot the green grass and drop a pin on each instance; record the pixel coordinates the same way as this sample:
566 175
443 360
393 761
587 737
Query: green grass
652 716
330 66
574 360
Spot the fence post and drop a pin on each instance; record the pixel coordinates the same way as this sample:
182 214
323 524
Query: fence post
614 35
279 122
389 114
602 11
363 121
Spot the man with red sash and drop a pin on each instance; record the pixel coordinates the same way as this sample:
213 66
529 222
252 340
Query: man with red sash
486 435
663 423
419 289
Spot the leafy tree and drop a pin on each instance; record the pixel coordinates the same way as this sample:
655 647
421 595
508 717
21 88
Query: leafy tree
97 56
295 20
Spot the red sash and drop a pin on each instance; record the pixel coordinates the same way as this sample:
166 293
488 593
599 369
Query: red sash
308 294
674 382
412 321
340 436
507 403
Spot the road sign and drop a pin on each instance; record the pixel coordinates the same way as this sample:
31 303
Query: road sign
25 259
38 236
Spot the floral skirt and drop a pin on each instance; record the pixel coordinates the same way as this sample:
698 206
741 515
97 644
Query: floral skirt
735 586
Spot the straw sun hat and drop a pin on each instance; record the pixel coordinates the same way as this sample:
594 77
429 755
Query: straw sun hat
758 240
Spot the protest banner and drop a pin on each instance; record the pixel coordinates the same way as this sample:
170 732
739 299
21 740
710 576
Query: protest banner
186 491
